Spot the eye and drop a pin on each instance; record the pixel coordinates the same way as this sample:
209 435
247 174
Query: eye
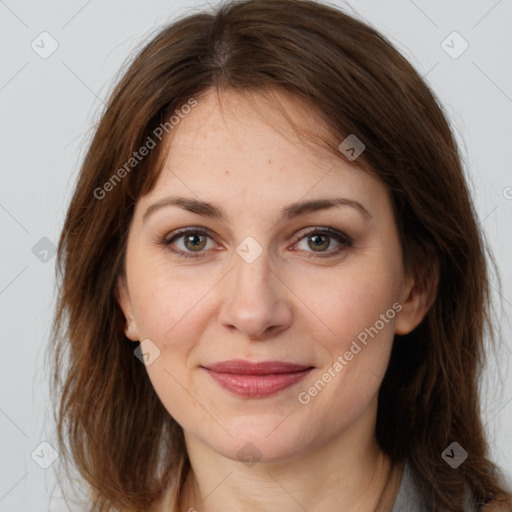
194 241
319 239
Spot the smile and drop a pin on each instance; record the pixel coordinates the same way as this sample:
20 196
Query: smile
256 380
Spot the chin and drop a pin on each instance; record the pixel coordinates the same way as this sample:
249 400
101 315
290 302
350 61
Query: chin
260 440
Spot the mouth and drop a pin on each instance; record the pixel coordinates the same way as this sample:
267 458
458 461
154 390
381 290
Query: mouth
256 379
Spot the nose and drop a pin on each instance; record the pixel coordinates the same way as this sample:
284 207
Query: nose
256 301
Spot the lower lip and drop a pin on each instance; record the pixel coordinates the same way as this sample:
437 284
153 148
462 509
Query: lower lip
256 386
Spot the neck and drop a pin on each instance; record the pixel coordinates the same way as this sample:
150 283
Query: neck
350 473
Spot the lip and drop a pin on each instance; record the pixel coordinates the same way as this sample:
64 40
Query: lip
256 379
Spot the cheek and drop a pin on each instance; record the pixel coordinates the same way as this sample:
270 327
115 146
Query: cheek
165 299
355 317
343 302
360 309
171 314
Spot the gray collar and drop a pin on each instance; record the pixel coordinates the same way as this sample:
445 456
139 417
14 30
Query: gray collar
408 498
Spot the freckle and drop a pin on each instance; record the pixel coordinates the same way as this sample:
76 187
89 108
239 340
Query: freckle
270 161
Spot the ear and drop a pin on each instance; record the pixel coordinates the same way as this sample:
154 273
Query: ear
123 298
416 298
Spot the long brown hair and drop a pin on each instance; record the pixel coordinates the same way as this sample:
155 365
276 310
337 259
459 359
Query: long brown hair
112 427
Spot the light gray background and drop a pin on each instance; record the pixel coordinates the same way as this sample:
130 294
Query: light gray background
48 107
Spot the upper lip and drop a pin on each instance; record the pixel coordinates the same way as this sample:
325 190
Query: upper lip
241 367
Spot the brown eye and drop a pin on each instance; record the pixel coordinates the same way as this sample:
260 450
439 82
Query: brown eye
319 240
193 241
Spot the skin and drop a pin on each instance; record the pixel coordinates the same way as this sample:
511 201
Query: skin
284 305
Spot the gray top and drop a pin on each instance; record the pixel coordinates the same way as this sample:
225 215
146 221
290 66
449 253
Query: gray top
409 499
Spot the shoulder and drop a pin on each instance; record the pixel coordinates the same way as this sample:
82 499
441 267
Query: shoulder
409 498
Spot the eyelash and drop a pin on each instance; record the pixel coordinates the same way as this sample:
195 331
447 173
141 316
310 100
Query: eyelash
344 240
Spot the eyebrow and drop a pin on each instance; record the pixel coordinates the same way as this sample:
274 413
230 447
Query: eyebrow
288 212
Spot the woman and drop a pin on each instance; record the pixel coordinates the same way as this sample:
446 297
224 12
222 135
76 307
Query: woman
215 362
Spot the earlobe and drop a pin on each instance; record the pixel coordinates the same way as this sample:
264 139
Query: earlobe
416 301
124 302
131 331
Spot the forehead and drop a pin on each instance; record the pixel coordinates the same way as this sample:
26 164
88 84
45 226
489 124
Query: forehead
240 147
251 121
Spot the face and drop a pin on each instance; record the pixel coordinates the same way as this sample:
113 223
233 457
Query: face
320 288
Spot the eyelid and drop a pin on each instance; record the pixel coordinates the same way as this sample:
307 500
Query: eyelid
170 237
183 231
323 230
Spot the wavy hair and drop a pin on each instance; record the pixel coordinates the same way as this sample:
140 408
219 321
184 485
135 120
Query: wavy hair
112 428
